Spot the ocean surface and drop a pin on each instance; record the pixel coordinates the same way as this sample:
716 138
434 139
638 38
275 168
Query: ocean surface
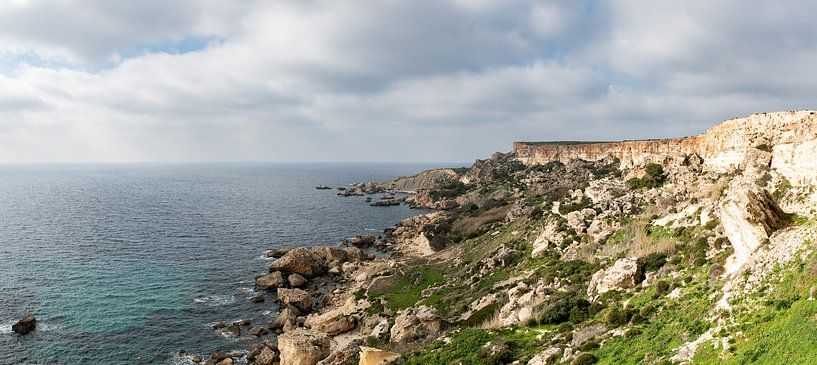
127 264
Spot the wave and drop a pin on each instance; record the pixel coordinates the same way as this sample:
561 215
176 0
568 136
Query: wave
214 300
5 328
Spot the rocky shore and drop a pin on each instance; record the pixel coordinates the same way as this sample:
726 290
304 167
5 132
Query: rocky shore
663 258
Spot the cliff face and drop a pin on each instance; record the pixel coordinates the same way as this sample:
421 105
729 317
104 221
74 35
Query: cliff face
791 138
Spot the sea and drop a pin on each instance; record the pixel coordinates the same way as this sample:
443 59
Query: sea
129 263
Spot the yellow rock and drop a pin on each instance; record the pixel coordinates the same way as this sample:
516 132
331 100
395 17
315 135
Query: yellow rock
373 356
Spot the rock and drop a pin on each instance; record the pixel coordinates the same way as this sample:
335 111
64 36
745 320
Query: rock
279 251
586 334
288 314
296 280
303 347
233 330
416 324
227 361
257 299
267 357
362 277
624 274
269 281
25 325
546 357
196 359
255 350
362 241
217 325
257 331
381 328
242 322
300 260
346 354
552 234
333 322
296 297
373 356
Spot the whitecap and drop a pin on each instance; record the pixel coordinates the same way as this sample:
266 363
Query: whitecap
5 328
214 300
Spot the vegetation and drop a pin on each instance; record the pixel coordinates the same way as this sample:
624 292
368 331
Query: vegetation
653 177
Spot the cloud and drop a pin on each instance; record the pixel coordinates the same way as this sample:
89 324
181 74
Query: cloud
383 80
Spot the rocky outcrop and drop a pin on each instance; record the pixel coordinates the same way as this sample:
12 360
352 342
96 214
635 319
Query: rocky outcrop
301 260
624 274
303 347
333 322
25 325
298 298
288 315
416 324
269 281
429 179
373 356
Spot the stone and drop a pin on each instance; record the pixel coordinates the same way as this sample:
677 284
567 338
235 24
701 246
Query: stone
257 331
416 324
233 330
288 314
242 322
25 325
624 274
303 347
586 334
269 281
333 322
257 299
217 325
196 359
381 328
267 357
296 297
300 260
279 251
373 356
296 280
345 354
546 357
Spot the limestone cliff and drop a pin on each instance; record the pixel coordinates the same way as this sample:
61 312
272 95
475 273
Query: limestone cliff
791 137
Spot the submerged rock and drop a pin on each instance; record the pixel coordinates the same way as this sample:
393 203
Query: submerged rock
25 325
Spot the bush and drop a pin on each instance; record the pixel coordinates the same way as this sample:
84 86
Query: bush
662 286
654 177
618 317
652 262
563 310
584 358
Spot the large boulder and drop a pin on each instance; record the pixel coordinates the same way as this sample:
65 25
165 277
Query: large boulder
345 354
267 357
300 260
25 325
296 280
269 281
624 274
296 297
373 356
303 347
333 322
288 314
419 323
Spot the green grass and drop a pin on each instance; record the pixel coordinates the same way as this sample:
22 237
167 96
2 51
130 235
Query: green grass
466 347
408 286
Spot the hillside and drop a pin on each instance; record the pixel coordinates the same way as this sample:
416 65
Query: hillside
691 250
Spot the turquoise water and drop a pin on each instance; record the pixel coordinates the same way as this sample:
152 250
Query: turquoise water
126 264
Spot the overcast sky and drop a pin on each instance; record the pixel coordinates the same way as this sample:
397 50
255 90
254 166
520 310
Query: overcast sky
384 80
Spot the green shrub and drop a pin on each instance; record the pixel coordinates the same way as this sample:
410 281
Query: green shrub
584 358
764 147
618 317
652 262
654 177
662 286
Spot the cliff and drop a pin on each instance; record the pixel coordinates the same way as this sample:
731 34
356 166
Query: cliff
791 138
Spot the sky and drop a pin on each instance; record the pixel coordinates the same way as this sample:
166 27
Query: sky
384 80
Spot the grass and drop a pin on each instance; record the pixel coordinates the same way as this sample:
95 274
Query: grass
406 291
467 346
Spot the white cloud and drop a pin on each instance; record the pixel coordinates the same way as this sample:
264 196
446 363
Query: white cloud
384 80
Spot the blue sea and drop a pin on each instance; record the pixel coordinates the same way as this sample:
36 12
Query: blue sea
128 263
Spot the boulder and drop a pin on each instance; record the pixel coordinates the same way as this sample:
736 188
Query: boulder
279 251
269 281
586 334
25 325
257 331
296 280
373 356
296 297
346 354
300 260
218 325
303 347
233 330
267 357
413 324
333 322
288 314
546 357
257 299
624 274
